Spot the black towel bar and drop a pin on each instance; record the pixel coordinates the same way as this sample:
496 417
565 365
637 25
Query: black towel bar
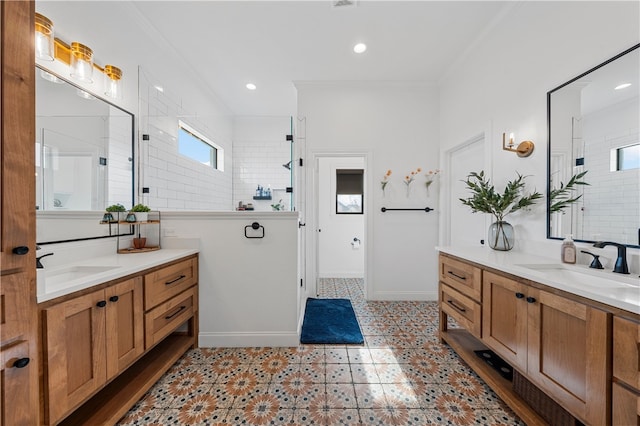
426 209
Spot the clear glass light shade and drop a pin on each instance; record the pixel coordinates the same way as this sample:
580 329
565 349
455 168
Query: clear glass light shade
44 38
84 94
81 62
112 84
50 77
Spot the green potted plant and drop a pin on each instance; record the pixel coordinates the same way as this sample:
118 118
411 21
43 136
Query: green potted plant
486 199
114 208
140 213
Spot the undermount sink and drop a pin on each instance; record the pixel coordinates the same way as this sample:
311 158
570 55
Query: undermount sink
575 276
64 275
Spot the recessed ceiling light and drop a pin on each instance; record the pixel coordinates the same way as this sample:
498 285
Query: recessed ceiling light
622 86
251 86
159 88
360 47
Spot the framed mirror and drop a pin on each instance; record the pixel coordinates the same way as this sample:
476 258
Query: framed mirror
593 124
84 160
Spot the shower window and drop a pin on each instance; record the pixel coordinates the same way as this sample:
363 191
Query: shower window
194 145
625 158
349 191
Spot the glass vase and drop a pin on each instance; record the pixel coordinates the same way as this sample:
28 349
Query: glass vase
501 236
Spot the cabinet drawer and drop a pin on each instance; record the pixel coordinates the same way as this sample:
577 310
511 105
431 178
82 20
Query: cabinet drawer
626 351
165 283
463 309
463 277
165 318
625 406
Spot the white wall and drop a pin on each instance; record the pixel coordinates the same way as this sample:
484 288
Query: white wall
396 125
248 287
260 149
504 78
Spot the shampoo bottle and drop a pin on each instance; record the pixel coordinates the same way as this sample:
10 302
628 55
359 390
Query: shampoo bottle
568 250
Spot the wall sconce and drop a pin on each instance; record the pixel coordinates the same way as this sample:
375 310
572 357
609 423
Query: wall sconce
524 148
78 56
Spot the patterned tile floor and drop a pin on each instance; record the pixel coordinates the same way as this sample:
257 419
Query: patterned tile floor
402 375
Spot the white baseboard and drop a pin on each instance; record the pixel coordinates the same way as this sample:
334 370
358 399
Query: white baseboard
405 295
257 339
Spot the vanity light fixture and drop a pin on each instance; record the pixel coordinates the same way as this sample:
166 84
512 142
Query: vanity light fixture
524 148
360 48
251 86
78 56
622 86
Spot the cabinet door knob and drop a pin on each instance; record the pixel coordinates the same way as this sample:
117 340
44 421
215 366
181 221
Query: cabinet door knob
21 363
113 299
20 250
519 295
531 299
101 304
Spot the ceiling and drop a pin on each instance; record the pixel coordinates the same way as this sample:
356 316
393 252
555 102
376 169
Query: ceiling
222 45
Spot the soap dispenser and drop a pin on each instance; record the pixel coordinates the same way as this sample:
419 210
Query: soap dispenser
568 250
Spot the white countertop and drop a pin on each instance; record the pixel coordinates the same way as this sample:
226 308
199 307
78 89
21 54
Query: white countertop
119 265
617 290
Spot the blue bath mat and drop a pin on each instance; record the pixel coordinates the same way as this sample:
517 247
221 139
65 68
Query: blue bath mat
330 321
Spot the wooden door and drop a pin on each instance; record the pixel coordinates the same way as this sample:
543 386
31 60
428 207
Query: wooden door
125 325
75 349
18 323
568 355
504 321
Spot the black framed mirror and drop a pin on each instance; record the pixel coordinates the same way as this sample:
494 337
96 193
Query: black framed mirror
593 123
84 160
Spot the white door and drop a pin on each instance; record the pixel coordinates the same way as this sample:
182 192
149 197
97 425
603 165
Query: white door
464 228
340 235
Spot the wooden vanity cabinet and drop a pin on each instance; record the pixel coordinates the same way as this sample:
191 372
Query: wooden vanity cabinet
104 349
89 340
558 343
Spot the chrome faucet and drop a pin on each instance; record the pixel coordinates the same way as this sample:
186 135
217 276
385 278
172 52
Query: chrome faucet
39 264
621 266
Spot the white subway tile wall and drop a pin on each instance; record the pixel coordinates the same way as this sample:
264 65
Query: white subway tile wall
176 182
614 203
260 151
